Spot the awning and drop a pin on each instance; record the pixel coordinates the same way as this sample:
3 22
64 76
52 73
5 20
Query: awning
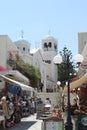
23 86
17 76
77 83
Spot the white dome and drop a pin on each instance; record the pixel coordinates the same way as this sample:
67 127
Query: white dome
22 41
49 37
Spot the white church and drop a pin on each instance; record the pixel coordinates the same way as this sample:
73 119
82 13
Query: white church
41 58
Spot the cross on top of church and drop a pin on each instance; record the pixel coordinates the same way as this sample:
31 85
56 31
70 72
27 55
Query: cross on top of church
22 34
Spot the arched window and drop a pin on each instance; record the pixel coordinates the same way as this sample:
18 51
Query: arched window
23 48
50 44
55 46
45 45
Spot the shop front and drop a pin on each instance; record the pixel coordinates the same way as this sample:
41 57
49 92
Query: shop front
16 87
80 88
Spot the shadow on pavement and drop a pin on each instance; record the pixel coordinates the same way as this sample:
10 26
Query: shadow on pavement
24 125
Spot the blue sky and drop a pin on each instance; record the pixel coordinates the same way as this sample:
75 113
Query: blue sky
64 19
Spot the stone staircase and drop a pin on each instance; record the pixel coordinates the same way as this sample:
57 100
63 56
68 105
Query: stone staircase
54 97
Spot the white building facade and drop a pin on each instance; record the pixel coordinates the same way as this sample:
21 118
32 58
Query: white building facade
43 60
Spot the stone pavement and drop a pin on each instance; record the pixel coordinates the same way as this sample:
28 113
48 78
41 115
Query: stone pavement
28 123
35 126
31 123
38 123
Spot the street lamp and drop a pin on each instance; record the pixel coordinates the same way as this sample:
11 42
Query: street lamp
58 83
78 58
58 60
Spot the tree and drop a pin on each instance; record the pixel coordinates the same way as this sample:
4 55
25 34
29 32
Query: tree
29 71
62 68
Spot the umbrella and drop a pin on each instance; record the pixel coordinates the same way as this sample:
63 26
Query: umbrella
3 69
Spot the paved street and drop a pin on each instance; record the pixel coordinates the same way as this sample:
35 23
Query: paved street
28 123
31 123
